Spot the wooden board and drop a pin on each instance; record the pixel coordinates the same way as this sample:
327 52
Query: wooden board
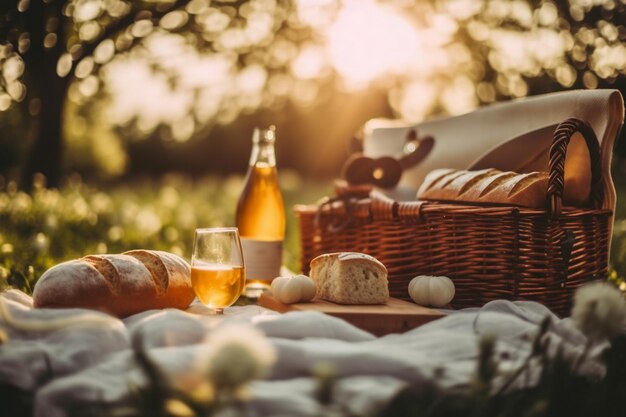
397 316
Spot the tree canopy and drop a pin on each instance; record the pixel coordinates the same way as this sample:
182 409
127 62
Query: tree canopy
174 69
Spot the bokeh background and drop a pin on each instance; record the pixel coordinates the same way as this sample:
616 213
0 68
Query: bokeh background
127 124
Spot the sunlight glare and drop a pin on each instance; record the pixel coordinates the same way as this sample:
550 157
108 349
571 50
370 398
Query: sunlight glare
214 20
104 51
525 52
85 10
259 27
459 96
316 13
12 69
139 92
16 90
174 20
463 9
369 40
415 100
309 63
251 79
64 65
141 28
197 6
5 101
89 86
89 31
207 84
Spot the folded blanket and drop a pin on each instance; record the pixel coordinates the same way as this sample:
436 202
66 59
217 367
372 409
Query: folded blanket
79 359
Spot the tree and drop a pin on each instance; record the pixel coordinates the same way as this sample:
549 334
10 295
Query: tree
427 56
48 44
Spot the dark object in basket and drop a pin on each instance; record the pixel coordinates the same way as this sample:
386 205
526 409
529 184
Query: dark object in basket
490 252
386 171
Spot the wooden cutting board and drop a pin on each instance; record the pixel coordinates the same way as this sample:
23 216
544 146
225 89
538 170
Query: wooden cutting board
397 316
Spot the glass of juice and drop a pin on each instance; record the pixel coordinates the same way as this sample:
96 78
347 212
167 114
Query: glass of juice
217 269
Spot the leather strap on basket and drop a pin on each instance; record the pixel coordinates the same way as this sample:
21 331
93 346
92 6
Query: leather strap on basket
558 151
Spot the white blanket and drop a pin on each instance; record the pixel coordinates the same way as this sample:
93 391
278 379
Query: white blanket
82 359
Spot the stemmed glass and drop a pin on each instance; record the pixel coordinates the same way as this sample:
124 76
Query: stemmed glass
217 269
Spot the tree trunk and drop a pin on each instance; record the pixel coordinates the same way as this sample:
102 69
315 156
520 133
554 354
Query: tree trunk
47 147
46 150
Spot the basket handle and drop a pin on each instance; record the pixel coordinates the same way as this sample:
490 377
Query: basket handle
556 182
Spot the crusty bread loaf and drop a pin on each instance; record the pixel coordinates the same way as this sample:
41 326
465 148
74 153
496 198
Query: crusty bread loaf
493 187
121 285
350 278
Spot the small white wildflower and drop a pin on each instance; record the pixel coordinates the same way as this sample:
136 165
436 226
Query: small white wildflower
22 202
177 250
92 218
101 247
51 222
324 371
101 203
128 211
171 234
237 354
186 217
79 208
599 311
290 180
233 185
41 242
178 408
169 196
115 233
6 248
147 222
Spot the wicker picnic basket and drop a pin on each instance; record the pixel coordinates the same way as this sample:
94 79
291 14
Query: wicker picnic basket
490 252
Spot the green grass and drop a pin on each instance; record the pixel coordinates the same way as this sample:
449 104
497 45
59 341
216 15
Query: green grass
48 226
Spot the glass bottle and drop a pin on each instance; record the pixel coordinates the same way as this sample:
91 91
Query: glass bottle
261 215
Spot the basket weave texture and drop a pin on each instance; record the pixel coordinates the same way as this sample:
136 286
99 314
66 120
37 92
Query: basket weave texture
490 252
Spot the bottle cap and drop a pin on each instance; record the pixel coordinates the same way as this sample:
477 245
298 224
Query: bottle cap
264 135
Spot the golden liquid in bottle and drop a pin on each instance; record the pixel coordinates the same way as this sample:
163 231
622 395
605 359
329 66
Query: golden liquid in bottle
261 214
217 286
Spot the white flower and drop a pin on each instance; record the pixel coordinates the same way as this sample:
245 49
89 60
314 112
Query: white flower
237 354
6 248
178 408
147 222
599 310
41 242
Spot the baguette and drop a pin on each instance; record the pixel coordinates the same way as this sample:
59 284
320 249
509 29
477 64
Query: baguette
350 278
120 284
494 187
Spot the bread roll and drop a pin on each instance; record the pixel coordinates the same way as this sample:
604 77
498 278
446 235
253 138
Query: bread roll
350 278
493 187
121 285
